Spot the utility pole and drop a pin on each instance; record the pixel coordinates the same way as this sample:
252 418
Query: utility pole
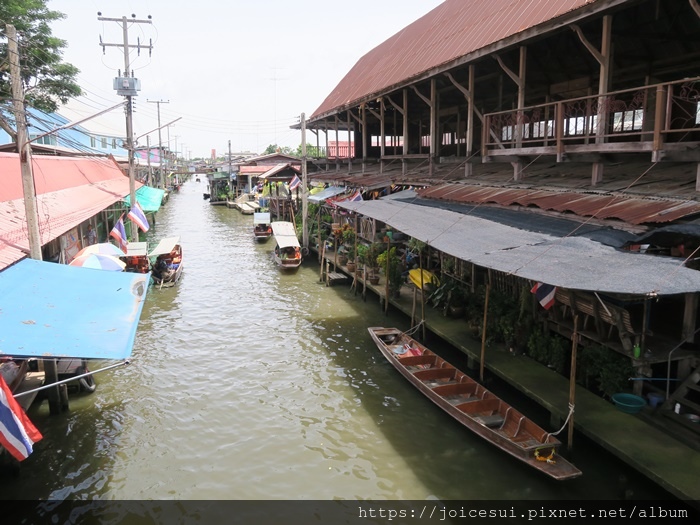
58 398
148 156
160 141
128 87
23 147
304 201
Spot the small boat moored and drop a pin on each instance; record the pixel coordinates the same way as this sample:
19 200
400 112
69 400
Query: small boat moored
136 258
167 267
472 404
287 252
261 226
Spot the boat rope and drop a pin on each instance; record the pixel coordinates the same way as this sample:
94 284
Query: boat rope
73 378
571 411
414 329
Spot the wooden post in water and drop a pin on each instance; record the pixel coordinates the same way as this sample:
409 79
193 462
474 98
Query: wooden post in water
572 384
483 331
386 287
422 293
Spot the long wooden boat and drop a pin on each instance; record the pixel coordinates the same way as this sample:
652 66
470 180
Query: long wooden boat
472 405
168 264
287 252
261 226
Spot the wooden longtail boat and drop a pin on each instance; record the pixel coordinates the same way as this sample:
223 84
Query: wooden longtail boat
471 404
167 268
287 252
261 226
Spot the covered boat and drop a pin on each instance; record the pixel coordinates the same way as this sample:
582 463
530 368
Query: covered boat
167 267
287 252
261 226
136 258
472 404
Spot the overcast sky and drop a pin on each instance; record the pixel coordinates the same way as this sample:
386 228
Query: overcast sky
238 70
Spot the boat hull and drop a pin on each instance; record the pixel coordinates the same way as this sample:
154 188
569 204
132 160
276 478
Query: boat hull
472 405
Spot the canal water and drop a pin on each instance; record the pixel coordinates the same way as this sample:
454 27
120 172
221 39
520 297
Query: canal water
249 384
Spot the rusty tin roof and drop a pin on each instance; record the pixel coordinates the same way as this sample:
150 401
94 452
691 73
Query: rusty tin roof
636 210
449 32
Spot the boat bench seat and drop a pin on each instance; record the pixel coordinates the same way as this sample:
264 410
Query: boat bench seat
495 420
458 400
432 374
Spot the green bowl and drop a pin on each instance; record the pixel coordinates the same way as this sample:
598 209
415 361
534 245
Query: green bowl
628 403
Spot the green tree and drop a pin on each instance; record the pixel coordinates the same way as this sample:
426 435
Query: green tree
274 148
311 152
48 82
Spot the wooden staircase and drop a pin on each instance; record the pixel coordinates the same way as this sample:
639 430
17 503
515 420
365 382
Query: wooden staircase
687 395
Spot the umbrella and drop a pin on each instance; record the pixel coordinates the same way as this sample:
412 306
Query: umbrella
99 262
103 248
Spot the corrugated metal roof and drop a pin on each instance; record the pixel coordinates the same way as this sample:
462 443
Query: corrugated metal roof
69 191
575 263
452 30
630 209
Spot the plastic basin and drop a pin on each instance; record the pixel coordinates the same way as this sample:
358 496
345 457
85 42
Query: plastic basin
628 403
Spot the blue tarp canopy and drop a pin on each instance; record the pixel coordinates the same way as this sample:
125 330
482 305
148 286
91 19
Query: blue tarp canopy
148 198
55 310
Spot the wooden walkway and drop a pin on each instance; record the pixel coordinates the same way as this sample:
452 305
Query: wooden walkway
649 449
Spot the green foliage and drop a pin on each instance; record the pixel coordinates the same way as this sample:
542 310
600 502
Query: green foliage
362 251
604 369
311 151
274 148
48 81
389 259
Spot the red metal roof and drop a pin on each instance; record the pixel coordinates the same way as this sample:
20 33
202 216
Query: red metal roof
630 209
69 191
452 30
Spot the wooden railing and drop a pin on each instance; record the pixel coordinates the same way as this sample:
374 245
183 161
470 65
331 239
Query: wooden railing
660 118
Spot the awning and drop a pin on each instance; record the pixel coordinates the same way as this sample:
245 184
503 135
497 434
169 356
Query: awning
576 263
165 246
285 234
326 193
261 218
137 249
150 199
56 310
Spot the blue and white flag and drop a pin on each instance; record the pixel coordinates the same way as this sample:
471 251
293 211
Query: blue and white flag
294 183
17 433
137 216
119 233
545 294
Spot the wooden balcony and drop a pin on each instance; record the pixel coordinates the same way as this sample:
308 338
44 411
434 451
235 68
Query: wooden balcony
661 119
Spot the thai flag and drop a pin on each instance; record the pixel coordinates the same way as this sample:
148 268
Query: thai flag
119 233
545 294
357 196
294 183
136 215
17 433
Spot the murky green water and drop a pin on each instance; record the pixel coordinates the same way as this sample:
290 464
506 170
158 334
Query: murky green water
247 383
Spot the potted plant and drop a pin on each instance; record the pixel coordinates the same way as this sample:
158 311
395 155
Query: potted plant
373 267
348 235
391 264
351 258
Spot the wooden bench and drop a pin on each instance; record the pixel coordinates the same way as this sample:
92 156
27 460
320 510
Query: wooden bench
601 313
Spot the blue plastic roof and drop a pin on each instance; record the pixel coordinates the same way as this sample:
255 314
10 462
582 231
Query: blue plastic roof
56 310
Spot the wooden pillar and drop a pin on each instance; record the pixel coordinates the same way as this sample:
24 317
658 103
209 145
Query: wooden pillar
363 116
689 316
382 135
434 124
350 155
603 86
468 172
